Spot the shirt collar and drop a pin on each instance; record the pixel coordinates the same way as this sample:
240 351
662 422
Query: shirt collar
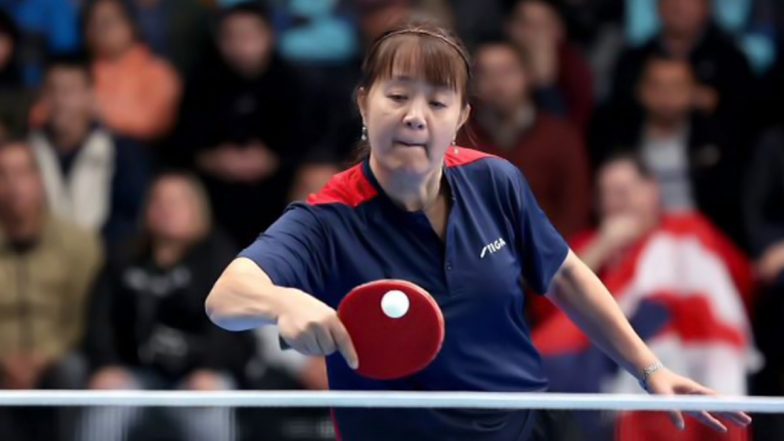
389 205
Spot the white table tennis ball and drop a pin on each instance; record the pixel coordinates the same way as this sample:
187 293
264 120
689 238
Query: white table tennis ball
394 304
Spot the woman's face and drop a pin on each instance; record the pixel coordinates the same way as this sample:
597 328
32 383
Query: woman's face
410 122
246 43
109 33
174 211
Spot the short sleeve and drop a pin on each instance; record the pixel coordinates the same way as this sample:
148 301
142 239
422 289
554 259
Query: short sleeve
292 250
541 247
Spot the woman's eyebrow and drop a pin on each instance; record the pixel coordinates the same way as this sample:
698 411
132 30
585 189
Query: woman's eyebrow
403 78
406 79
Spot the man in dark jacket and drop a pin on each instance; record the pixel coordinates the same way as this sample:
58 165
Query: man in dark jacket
239 124
722 72
697 168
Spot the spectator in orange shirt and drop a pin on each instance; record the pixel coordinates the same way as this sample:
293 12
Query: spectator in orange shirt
137 93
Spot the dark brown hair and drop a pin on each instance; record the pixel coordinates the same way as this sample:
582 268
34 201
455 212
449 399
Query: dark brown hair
421 47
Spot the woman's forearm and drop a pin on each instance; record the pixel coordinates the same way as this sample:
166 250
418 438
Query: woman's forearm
244 298
595 255
583 297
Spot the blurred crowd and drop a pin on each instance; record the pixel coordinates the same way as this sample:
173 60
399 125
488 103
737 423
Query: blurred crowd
143 143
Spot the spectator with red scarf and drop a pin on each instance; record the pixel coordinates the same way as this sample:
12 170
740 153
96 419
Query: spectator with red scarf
682 285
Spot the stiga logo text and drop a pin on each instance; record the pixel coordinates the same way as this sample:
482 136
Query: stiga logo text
493 247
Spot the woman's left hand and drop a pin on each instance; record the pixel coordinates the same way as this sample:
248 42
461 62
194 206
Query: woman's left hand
666 382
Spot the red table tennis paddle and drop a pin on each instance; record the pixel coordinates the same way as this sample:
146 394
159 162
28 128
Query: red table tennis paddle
396 327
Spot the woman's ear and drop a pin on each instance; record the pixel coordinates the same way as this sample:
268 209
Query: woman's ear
464 114
362 97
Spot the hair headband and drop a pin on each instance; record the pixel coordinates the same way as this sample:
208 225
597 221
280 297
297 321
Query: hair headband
421 31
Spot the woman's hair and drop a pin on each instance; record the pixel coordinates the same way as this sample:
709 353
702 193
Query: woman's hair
423 49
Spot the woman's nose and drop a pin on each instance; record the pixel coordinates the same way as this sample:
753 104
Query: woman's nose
415 124
414 118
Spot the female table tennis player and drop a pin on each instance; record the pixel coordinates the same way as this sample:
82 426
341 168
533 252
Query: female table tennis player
419 208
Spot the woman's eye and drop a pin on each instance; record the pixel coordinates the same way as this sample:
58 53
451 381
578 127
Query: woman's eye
397 97
438 104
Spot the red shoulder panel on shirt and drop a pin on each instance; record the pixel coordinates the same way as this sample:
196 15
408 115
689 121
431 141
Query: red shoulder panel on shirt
350 187
457 156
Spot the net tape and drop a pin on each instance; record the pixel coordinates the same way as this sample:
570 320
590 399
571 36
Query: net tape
361 399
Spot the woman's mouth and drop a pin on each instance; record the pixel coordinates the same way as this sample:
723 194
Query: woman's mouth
411 144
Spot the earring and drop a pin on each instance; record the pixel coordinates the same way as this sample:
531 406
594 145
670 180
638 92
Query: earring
364 133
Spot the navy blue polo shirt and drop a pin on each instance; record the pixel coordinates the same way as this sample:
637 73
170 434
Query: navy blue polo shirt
497 241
